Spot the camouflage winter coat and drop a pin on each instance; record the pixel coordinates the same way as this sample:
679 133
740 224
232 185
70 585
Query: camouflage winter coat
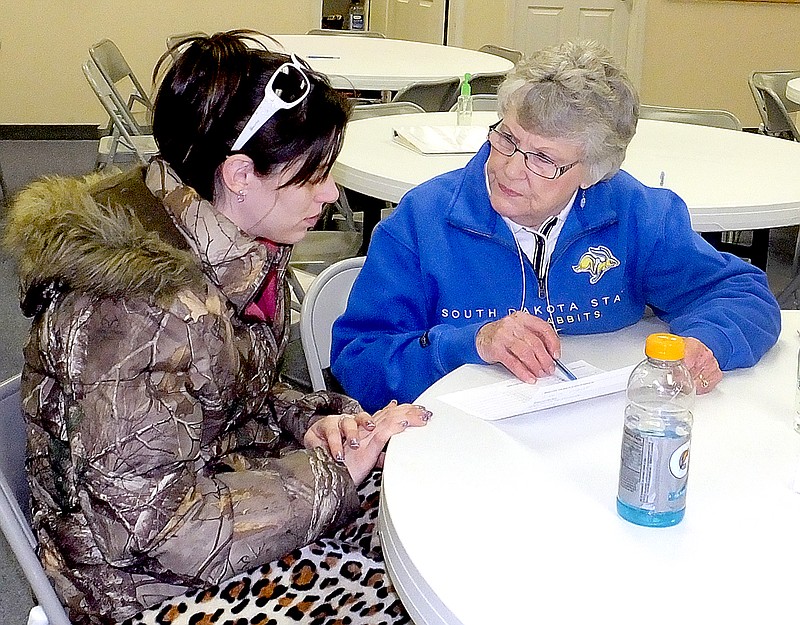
162 455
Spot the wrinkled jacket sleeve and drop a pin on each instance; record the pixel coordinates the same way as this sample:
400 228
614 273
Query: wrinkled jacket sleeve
151 493
387 345
716 298
297 411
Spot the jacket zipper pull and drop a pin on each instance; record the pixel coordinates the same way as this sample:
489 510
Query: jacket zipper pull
542 290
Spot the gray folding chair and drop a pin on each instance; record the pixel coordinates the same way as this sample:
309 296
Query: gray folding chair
482 102
486 83
702 117
769 93
14 506
515 56
125 142
325 301
133 103
432 96
363 111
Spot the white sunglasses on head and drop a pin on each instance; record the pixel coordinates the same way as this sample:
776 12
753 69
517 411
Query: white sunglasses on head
292 90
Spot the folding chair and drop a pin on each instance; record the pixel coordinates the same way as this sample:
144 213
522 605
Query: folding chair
432 96
486 83
125 139
115 69
702 117
362 111
515 56
482 102
775 109
325 301
14 504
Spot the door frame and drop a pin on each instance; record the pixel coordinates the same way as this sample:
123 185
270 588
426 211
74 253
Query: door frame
636 28
457 12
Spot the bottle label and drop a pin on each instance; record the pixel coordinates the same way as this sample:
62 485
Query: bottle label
654 471
356 21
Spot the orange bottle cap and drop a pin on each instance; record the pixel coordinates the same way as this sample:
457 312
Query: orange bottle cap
663 346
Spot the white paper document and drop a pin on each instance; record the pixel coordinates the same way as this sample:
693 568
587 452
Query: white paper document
512 397
441 139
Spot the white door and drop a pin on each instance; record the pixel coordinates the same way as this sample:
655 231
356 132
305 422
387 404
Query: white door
416 20
541 23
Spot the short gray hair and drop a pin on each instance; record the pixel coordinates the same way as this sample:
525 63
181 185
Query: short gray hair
575 91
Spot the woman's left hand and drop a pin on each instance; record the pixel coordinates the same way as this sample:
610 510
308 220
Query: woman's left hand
335 431
702 365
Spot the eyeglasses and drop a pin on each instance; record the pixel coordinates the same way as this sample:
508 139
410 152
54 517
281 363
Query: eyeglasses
287 88
536 162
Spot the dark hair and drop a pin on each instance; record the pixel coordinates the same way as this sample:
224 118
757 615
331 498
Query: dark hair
208 95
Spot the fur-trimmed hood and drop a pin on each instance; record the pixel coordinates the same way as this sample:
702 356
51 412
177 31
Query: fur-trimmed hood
68 231
137 234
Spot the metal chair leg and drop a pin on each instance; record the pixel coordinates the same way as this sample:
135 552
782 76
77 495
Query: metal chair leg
3 187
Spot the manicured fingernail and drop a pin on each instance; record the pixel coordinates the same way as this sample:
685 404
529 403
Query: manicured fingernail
418 407
393 402
354 443
426 416
404 423
339 457
369 425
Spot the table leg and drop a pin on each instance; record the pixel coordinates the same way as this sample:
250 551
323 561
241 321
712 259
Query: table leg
371 207
757 252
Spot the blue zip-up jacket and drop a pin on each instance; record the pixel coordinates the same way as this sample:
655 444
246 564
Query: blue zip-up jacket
444 263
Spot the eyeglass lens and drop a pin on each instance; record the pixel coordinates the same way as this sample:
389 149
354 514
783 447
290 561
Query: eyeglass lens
536 163
290 83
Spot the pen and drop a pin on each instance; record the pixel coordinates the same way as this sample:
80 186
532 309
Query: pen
563 369
321 56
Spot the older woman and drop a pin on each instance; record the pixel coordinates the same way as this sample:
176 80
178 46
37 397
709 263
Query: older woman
164 455
542 233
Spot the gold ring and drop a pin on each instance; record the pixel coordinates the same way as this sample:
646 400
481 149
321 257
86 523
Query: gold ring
702 380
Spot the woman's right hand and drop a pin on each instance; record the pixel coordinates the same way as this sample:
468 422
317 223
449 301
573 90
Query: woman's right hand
391 420
525 344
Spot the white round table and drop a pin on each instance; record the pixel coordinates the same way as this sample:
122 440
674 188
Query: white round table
376 64
730 180
793 90
515 521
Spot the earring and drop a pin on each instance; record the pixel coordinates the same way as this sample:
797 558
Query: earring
240 196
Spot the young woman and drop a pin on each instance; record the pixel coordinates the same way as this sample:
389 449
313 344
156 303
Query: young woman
167 463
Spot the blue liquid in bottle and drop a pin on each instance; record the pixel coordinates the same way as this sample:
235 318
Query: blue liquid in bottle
656 436
649 518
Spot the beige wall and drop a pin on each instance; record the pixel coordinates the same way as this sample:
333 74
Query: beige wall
486 22
697 53
44 42
719 44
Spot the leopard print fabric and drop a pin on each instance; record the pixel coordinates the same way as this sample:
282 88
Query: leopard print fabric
340 580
